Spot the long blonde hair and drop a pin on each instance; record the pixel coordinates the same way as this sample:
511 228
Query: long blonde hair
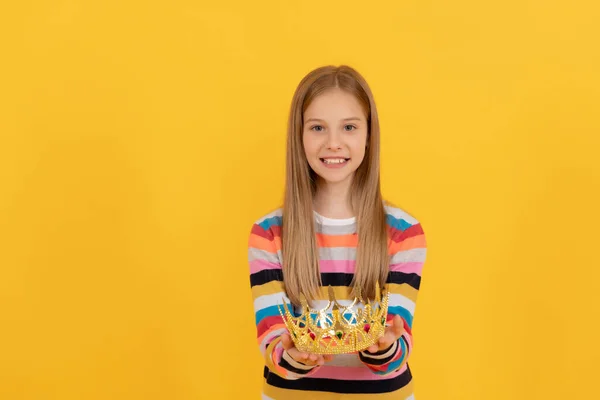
299 248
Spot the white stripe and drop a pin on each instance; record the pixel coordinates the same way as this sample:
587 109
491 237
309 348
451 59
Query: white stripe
397 299
269 338
265 397
269 300
400 214
258 254
275 213
337 253
412 255
334 221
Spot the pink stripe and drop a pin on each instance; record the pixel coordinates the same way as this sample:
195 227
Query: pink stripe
260 265
409 340
340 266
269 333
276 358
408 267
278 353
348 266
352 373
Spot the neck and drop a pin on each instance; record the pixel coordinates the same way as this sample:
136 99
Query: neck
332 200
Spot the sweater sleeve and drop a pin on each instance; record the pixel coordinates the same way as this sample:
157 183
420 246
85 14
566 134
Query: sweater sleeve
266 283
407 249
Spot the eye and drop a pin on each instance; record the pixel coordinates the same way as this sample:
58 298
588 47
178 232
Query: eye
316 126
351 126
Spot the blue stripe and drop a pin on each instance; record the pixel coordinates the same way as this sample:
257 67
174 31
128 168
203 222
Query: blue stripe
403 312
396 223
394 365
269 222
270 311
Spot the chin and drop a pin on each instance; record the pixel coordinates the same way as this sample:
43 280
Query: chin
328 177
332 176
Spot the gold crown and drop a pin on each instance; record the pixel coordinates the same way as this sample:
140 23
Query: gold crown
344 330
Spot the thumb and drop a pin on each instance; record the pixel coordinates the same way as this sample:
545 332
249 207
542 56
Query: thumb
398 326
286 341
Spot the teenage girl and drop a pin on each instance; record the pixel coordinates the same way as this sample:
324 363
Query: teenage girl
335 229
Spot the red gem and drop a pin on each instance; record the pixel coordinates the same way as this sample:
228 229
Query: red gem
367 328
312 335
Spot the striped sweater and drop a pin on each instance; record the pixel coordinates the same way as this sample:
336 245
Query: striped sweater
363 375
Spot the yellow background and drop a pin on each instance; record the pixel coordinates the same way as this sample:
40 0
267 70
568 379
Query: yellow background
140 140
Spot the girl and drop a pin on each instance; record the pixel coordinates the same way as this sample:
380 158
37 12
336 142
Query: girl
334 229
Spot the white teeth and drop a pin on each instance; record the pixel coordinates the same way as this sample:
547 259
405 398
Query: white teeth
334 160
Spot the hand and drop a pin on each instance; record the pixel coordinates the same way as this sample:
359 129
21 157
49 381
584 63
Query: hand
302 357
392 334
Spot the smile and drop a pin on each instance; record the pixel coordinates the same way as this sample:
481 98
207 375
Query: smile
334 161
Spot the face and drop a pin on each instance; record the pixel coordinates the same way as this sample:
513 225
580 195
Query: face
335 136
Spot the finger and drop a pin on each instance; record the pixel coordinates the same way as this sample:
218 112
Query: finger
398 326
386 340
373 348
398 331
286 341
308 359
392 337
298 355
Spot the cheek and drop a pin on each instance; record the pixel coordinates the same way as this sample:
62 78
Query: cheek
306 145
358 146
310 145
360 155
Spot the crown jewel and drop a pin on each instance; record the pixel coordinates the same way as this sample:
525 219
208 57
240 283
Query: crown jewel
342 330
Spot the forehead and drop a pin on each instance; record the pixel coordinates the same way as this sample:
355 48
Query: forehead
334 104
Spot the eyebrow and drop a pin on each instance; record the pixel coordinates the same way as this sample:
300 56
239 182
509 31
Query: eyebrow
345 119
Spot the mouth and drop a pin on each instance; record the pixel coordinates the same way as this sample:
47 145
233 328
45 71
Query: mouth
334 161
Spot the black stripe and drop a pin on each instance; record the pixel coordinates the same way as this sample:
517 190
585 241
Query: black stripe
290 367
340 279
340 386
364 357
334 279
406 347
266 275
413 280
378 353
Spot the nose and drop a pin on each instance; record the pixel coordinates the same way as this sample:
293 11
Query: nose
333 140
